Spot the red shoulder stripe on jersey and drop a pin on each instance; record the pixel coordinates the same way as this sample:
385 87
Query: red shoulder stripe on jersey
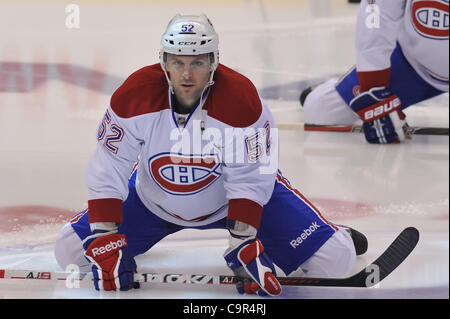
245 210
233 99
144 91
105 210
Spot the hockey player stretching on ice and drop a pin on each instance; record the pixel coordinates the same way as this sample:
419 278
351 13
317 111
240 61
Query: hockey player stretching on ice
402 59
206 149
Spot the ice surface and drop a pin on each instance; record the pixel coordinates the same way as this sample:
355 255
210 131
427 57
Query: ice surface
58 85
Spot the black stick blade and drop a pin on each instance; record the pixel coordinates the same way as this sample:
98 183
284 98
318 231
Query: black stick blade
392 257
395 254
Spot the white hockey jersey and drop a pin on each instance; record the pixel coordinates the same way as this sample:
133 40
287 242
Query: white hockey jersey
420 26
185 175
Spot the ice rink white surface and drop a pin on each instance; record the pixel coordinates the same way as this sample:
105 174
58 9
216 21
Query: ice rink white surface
55 84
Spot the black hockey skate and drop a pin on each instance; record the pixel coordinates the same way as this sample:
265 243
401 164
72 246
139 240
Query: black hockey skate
359 240
304 94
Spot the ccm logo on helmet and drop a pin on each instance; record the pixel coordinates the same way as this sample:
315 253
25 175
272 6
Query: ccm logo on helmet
113 245
380 110
186 43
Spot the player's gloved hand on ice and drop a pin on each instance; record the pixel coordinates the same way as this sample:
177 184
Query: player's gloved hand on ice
246 257
380 110
112 265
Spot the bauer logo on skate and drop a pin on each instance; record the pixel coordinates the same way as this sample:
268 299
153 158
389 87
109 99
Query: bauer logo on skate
180 174
431 18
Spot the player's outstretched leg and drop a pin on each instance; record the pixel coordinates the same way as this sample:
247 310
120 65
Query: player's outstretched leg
69 250
323 105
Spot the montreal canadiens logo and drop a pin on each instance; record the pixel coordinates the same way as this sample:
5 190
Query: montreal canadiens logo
183 174
431 18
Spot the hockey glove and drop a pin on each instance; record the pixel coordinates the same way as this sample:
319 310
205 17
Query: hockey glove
380 110
247 259
112 265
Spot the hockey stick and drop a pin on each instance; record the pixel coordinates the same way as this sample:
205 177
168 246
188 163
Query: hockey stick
392 257
293 126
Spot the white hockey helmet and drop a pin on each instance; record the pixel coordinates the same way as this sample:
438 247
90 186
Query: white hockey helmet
190 35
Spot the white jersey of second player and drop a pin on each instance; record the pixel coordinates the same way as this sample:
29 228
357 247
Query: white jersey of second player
422 29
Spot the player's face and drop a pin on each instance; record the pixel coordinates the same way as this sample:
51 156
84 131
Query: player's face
189 75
